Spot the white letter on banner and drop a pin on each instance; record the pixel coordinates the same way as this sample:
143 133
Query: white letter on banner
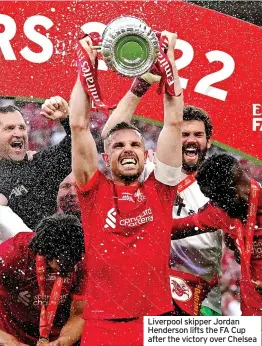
257 109
41 40
6 36
257 123
204 85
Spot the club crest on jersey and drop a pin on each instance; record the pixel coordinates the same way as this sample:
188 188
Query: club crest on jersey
140 197
179 289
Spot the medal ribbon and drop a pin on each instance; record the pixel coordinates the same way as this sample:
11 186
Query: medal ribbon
48 312
88 77
185 183
164 68
245 233
88 73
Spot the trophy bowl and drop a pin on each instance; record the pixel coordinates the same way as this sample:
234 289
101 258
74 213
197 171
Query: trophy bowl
129 46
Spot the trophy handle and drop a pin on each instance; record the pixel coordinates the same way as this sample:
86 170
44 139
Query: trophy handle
97 47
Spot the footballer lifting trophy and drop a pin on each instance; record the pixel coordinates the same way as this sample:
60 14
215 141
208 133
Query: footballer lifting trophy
129 46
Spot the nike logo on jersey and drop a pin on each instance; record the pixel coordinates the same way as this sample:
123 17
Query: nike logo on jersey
140 197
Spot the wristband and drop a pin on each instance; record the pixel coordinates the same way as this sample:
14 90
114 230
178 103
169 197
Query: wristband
140 87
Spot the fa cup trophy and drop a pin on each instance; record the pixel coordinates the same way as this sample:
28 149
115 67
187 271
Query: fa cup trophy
129 46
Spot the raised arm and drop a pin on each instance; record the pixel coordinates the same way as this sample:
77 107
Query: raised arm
123 112
169 145
84 151
56 108
126 107
58 155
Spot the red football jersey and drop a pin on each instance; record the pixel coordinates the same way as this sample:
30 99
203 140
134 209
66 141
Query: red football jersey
127 239
20 300
212 217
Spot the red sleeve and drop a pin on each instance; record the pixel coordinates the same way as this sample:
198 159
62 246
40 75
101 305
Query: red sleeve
91 185
208 218
13 252
87 193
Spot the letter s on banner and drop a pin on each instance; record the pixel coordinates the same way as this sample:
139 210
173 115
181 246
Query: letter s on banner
99 28
41 40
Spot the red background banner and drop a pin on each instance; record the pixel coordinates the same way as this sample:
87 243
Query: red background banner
218 58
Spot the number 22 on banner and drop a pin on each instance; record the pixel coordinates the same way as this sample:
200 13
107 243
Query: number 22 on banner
204 85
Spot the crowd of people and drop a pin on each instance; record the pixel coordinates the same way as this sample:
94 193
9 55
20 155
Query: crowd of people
58 283
43 133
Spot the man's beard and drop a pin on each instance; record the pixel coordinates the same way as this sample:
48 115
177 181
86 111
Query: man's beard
190 168
130 178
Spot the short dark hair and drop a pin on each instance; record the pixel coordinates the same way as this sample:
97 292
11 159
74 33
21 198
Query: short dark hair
216 174
9 109
122 126
194 113
58 235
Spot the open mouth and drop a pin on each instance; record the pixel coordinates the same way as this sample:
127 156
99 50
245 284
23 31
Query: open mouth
191 152
19 144
128 161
